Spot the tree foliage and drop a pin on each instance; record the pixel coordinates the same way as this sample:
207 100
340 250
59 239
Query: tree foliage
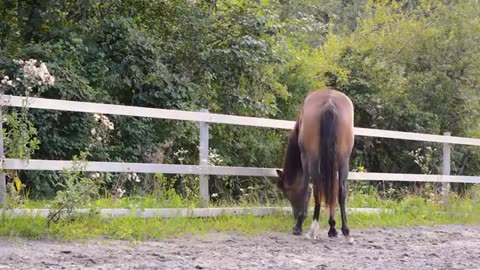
408 65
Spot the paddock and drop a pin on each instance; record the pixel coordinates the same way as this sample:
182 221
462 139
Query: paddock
436 247
439 247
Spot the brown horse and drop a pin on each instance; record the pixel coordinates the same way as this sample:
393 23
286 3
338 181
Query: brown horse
319 148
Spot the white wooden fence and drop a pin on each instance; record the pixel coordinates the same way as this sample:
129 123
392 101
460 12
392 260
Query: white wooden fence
203 169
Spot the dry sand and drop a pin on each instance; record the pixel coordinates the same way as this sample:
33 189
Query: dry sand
441 247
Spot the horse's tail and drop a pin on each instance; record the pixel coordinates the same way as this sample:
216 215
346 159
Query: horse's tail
328 146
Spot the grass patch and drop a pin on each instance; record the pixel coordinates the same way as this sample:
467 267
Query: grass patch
149 201
409 212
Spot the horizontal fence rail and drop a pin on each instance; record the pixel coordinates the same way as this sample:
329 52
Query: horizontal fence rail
89 107
93 166
204 117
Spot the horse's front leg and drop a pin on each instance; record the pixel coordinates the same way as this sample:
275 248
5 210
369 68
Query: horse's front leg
297 229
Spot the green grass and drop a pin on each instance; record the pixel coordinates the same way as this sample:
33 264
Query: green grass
410 211
148 201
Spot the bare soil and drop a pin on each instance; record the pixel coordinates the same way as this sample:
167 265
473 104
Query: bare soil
440 247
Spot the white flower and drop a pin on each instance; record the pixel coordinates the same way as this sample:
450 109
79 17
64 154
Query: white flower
99 138
9 83
214 195
119 192
97 116
42 71
50 80
93 132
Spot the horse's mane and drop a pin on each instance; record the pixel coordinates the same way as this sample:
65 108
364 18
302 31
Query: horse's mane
292 162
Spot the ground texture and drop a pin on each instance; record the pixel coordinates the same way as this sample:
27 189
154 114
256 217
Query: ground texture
441 247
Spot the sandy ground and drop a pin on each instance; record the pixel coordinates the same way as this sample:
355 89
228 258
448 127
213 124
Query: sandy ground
442 247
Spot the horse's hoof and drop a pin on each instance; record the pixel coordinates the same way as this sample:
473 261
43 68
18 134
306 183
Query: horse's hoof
296 231
332 233
350 240
313 232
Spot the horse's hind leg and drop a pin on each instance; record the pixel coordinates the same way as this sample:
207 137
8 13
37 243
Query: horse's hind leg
331 221
314 228
342 175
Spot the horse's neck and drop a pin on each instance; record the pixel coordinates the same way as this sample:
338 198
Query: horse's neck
292 162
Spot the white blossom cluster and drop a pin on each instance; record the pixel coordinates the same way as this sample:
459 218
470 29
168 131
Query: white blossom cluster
104 121
133 177
119 192
6 81
33 75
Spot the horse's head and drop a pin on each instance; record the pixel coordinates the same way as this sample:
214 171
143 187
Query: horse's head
293 192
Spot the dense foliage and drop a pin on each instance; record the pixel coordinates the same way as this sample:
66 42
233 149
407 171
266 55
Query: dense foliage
407 65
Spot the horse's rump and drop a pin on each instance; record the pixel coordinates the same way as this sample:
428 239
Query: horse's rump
326 138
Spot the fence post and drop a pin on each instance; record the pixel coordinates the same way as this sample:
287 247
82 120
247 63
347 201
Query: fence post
446 169
204 196
3 186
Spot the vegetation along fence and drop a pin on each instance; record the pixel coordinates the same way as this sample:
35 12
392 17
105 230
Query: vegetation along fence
203 169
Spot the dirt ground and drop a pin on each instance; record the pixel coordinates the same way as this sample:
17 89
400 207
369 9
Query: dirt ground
442 247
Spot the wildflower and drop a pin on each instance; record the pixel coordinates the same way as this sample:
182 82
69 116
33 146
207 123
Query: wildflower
50 80
214 195
99 138
93 132
6 80
96 116
33 75
119 192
